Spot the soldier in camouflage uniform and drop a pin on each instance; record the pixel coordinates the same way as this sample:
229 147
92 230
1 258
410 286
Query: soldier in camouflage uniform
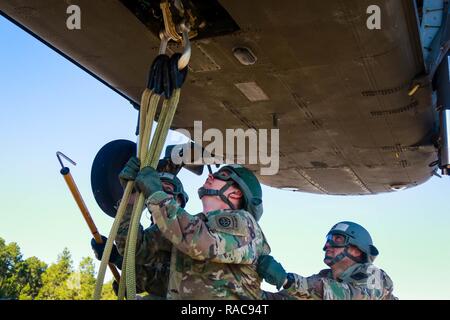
214 253
153 276
349 252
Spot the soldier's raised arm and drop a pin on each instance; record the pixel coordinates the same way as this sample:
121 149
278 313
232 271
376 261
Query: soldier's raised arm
296 287
224 236
217 234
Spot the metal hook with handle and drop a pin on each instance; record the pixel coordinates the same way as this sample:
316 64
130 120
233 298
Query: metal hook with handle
65 171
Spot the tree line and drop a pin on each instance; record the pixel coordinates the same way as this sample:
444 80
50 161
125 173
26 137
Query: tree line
33 279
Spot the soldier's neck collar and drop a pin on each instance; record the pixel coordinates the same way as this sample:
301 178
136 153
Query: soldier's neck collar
346 276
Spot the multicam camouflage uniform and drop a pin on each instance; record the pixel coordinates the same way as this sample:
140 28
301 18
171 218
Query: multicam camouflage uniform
359 282
152 270
213 256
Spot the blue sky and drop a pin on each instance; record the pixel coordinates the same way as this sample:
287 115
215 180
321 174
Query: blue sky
47 104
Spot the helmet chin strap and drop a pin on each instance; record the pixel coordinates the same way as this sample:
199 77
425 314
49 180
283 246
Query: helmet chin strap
341 256
220 193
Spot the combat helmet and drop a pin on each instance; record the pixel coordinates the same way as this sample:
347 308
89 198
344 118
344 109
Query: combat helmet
178 192
354 234
247 183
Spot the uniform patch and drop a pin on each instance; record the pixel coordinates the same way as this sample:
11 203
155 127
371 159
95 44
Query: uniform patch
341 227
224 222
230 223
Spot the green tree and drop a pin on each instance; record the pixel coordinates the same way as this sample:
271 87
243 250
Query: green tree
108 292
19 279
30 277
61 282
87 279
10 258
54 280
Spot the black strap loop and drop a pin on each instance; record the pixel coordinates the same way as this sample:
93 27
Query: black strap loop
164 76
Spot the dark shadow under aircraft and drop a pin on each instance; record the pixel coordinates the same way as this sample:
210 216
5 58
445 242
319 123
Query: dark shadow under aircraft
361 110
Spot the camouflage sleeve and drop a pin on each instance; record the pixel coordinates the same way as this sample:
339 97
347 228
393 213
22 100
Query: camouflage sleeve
388 288
376 286
266 295
302 288
149 241
299 290
334 290
230 241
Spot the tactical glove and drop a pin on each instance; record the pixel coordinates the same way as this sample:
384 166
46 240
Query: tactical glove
271 271
148 182
115 257
130 171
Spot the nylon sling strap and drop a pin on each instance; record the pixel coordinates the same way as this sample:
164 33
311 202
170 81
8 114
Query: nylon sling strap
158 87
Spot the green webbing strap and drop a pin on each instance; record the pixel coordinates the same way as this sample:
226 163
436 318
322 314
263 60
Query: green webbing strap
146 119
122 284
151 159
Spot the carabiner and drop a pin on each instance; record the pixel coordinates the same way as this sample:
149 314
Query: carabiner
171 32
186 56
